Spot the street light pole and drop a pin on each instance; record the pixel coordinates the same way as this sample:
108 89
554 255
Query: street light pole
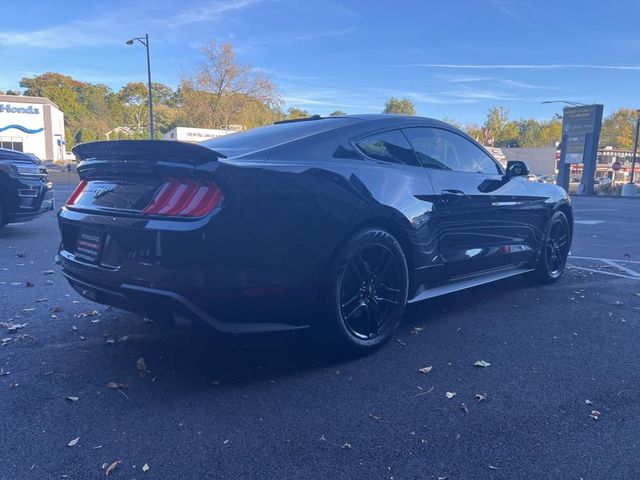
573 104
145 41
635 148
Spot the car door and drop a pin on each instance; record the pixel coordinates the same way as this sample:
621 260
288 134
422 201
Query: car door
482 217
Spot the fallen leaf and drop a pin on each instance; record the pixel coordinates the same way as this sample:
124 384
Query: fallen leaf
30 284
145 467
425 369
595 414
112 467
73 442
116 386
450 394
480 397
588 402
416 330
346 445
463 407
12 327
375 417
491 467
142 367
49 272
72 399
482 364
57 309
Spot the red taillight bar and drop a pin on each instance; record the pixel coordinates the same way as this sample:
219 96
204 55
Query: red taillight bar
184 198
76 193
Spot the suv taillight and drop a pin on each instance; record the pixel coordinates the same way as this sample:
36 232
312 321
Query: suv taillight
76 193
184 197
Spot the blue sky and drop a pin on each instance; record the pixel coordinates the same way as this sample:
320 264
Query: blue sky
453 59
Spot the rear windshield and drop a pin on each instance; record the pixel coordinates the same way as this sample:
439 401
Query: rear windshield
264 137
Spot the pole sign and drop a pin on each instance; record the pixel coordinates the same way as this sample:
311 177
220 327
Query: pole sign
580 137
616 166
575 148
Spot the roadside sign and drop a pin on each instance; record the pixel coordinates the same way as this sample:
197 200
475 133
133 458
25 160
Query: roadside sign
575 148
615 166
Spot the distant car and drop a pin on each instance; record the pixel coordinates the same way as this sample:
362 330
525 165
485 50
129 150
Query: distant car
25 191
551 178
330 223
603 181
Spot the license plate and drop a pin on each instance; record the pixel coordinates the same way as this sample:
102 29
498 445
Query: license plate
89 245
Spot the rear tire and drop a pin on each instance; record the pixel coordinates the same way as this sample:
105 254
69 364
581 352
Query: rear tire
554 251
365 292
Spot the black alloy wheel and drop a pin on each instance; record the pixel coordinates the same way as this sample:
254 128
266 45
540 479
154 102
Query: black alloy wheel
553 257
368 290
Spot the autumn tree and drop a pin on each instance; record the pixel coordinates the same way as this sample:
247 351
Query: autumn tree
398 106
294 113
221 90
618 129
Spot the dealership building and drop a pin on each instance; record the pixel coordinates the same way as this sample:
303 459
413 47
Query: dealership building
32 125
196 135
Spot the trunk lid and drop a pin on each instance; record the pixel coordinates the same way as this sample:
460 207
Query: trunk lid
131 177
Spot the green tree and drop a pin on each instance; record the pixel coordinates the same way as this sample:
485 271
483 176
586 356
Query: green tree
397 106
337 113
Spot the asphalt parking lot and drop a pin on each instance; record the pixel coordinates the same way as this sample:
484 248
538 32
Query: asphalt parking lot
560 398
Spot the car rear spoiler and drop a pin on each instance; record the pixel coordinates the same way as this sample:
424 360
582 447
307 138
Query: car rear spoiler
146 151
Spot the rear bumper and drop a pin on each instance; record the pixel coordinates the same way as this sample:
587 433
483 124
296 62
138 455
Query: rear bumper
154 268
138 299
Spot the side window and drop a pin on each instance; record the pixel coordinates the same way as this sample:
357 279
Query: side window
390 147
445 150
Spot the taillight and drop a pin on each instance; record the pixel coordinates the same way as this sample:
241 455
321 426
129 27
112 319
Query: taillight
183 197
76 193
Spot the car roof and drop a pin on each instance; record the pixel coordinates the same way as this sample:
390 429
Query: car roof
313 129
382 119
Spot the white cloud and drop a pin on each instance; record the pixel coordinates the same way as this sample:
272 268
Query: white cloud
116 27
515 66
73 34
208 11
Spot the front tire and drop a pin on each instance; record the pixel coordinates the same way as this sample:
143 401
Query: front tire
365 292
554 251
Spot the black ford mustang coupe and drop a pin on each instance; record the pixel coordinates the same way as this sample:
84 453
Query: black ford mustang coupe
329 223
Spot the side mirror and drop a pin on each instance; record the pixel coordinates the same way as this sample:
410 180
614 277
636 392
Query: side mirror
516 168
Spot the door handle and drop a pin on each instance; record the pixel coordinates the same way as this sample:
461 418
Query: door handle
449 194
